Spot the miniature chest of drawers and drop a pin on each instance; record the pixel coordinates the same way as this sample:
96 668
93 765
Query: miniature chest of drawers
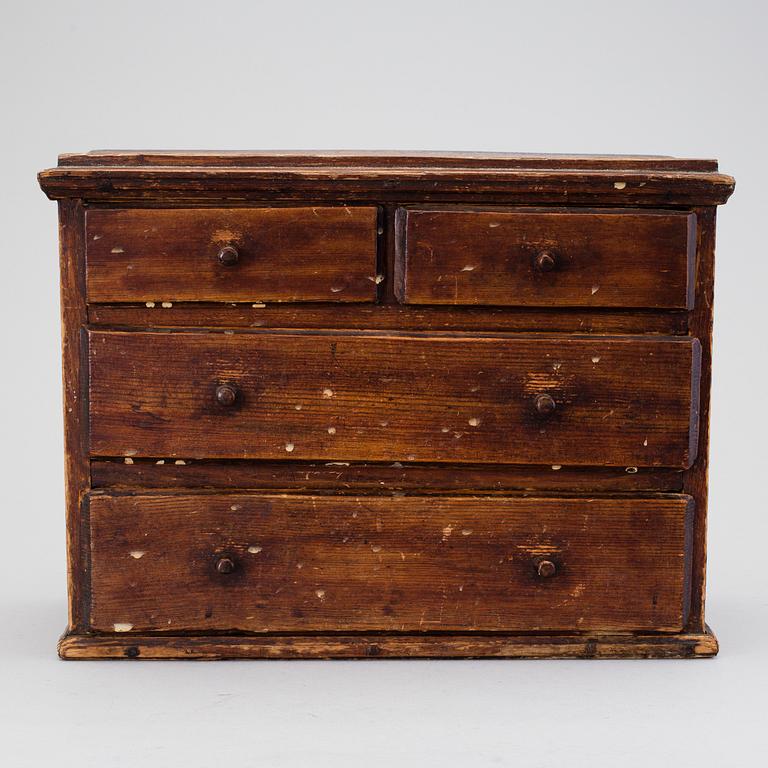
376 405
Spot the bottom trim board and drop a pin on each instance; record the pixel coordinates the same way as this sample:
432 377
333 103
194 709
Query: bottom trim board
212 647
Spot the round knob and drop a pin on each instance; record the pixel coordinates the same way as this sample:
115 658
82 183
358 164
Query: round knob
546 568
545 262
228 256
226 395
545 404
225 565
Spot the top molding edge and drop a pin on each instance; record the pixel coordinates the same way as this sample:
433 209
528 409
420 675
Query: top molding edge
388 159
387 177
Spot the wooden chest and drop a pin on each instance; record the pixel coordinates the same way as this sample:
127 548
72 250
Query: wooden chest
360 405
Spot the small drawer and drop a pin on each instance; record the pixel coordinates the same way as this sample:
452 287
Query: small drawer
231 254
564 400
546 258
255 563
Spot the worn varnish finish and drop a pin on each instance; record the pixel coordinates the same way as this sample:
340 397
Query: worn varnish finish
235 254
368 397
206 296
382 478
389 317
582 645
373 564
546 258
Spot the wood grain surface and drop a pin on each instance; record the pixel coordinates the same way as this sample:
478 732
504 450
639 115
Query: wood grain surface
404 185
395 317
470 645
624 401
392 564
382 159
596 258
421 405
284 254
348 477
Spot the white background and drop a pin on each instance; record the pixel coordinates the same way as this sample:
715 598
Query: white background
684 78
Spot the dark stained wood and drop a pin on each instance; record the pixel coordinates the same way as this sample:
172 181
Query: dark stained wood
234 159
384 564
276 254
695 481
347 477
389 317
621 187
557 257
366 646
361 397
75 386
193 369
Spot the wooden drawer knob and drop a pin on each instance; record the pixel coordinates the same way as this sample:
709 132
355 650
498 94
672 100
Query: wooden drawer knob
546 568
226 395
225 565
545 404
228 256
545 262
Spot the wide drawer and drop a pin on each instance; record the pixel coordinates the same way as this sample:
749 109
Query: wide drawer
546 258
231 254
623 401
291 563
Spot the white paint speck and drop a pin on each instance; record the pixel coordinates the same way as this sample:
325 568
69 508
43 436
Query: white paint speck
447 531
180 462
137 554
128 460
645 442
331 430
557 466
595 289
159 462
289 447
596 359
327 392
336 288
320 593
122 627
298 406
474 422
375 548
631 470
150 304
117 249
466 531
468 268
167 304
619 184
259 305
254 550
235 507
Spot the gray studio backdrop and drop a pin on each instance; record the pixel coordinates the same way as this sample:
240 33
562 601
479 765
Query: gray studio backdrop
684 78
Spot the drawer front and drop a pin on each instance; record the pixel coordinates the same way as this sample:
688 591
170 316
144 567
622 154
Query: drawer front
231 254
629 401
545 258
292 563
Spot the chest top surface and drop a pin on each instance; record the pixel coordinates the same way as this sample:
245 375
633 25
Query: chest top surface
393 176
